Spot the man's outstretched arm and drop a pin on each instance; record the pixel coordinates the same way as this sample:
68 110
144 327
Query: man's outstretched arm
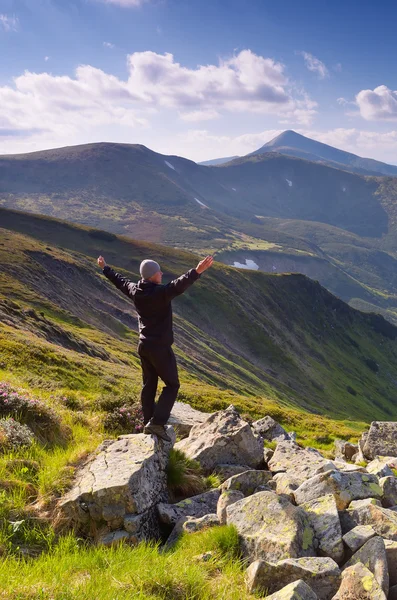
180 285
122 283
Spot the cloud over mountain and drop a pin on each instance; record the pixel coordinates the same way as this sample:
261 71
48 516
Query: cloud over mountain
378 104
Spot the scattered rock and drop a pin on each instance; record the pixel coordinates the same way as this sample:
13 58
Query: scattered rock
301 463
286 484
193 525
358 536
382 520
373 556
381 440
227 471
125 477
391 554
267 454
299 590
196 506
270 527
358 583
389 487
345 487
247 482
324 519
223 438
380 467
183 417
226 499
269 429
345 450
321 574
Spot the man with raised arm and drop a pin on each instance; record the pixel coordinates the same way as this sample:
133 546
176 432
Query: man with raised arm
153 305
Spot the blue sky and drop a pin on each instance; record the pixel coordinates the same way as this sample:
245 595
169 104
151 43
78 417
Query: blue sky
198 79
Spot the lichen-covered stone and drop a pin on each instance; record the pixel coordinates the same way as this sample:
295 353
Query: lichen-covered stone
298 590
226 499
247 482
286 484
192 525
380 466
267 454
271 528
391 555
321 574
373 556
345 450
324 519
126 476
196 506
269 429
184 417
389 487
301 463
223 438
227 471
358 583
345 487
381 440
358 536
382 520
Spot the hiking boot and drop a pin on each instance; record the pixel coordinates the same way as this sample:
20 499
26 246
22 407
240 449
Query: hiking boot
159 430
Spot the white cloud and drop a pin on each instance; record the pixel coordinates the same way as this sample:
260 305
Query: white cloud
199 115
9 23
46 58
315 65
125 3
378 104
109 45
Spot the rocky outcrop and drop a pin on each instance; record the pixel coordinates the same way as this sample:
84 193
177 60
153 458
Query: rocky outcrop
271 528
226 499
322 575
196 506
382 520
184 417
301 463
247 482
119 488
358 583
269 429
223 438
381 440
299 590
389 488
324 518
373 556
358 536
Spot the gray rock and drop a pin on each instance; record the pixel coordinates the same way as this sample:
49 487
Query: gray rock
373 556
321 574
298 590
381 440
227 471
358 583
126 476
389 487
356 504
382 520
113 538
345 450
301 463
391 554
271 528
196 506
267 454
269 429
223 438
346 467
184 417
247 482
226 499
292 435
345 487
324 519
380 467
286 484
358 536
193 525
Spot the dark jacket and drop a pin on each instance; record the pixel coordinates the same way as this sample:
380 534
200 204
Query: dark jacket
153 303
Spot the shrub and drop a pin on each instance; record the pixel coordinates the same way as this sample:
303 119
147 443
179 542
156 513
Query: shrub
42 420
72 401
109 402
14 435
124 419
184 476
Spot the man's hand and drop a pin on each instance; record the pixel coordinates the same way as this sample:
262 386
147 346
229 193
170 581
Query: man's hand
101 262
204 264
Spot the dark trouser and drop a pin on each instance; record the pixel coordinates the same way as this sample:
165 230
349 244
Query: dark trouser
158 361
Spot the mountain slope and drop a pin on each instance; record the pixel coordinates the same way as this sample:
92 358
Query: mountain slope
217 161
300 146
281 336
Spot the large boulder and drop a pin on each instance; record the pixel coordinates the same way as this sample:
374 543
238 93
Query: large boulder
391 554
298 590
226 499
196 506
321 574
184 417
301 463
382 520
192 524
324 519
271 528
119 487
381 440
269 429
358 536
247 482
345 487
345 450
373 556
380 466
358 583
389 487
223 438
